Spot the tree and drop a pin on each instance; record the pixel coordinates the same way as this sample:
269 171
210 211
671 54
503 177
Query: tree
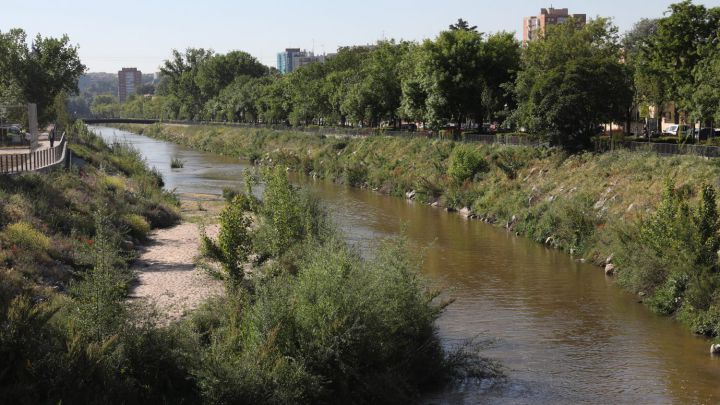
218 71
376 95
705 102
41 71
679 43
273 105
462 25
451 74
502 62
647 91
180 81
571 81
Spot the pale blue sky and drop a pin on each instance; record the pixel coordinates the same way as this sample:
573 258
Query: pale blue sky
135 33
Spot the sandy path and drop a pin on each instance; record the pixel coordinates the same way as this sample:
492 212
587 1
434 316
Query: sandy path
166 272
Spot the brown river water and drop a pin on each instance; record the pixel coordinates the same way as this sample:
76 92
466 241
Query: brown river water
564 333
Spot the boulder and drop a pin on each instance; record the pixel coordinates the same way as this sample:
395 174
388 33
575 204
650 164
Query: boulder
609 258
465 212
715 349
609 269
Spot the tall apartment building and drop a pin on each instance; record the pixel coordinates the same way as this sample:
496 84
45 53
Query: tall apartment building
293 59
534 26
129 82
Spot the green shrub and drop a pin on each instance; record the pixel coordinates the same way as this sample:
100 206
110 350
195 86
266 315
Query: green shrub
465 162
233 244
356 174
229 194
23 234
112 183
139 227
667 299
289 216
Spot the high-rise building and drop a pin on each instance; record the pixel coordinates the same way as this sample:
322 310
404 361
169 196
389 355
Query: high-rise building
293 59
534 26
129 82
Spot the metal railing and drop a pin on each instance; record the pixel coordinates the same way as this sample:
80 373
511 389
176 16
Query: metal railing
32 161
663 149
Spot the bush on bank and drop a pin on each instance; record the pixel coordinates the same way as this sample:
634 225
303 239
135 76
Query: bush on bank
582 203
312 321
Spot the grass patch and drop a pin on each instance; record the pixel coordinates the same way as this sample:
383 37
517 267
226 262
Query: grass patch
177 163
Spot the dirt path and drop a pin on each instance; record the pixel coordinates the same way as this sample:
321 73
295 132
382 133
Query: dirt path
167 276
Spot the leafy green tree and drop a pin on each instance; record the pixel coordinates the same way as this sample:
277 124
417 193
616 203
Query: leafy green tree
647 91
342 79
572 80
502 63
705 101
414 96
462 25
273 104
452 76
218 71
41 71
678 44
460 76
180 74
308 101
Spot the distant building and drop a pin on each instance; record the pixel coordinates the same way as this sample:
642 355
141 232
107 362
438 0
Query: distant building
293 58
534 26
129 82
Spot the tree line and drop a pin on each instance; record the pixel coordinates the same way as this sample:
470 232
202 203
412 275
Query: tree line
562 86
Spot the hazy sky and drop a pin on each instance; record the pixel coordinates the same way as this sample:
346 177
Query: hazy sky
135 33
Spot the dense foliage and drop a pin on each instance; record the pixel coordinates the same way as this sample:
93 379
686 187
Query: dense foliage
37 73
673 60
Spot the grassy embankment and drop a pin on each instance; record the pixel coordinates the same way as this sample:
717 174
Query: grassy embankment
66 239
594 206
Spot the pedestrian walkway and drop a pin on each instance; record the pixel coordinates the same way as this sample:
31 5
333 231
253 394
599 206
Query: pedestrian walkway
24 159
43 143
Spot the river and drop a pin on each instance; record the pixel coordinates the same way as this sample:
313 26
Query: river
563 331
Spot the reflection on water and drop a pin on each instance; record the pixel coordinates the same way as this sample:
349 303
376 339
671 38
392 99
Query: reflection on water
564 332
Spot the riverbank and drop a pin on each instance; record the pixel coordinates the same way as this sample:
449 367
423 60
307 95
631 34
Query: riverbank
582 204
67 238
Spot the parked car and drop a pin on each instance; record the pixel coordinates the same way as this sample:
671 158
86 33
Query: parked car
703 134
675 130
10 133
